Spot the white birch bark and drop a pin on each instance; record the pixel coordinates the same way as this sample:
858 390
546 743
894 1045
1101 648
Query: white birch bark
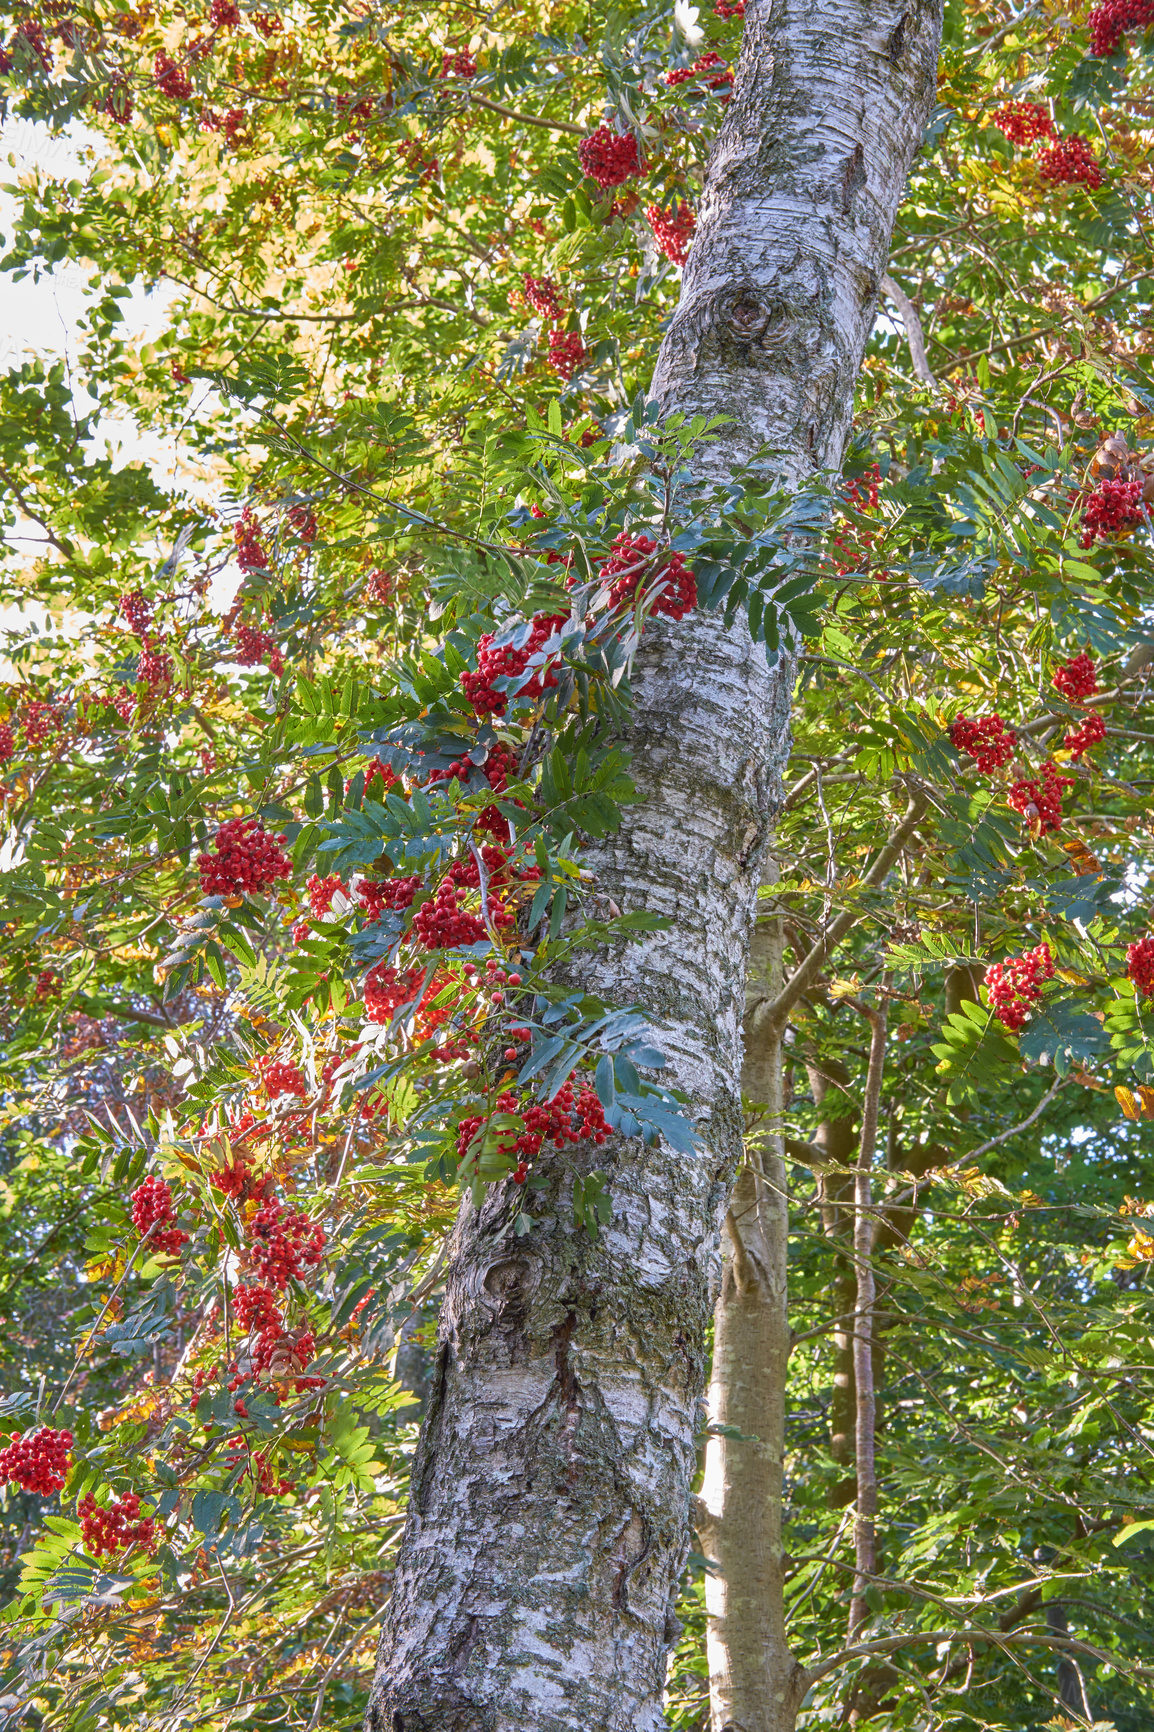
548 1520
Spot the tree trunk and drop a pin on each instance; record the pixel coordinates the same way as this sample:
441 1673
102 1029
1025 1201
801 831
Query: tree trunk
549 1506
837 1138
755 1685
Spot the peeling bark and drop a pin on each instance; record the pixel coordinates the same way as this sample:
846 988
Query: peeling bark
548 1522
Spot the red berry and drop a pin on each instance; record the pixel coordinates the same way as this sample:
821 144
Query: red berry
151 1210
250 550
283 1242
1091 733
566 352
171 78
1069 161
1013 986
1077 679
1111 18
988 742
1140 966
672 230
246 857
609 158
37 1460
509 663
1113 508
1024 122
254 646
541 294
631 559
111 1530
1041 802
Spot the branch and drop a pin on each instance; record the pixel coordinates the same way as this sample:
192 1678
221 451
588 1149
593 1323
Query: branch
976 1633
911 1191
914 335
776 1010
130 1011
32 516
744 1270
525 119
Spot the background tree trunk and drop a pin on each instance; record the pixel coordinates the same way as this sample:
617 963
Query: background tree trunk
549 1507
754 1681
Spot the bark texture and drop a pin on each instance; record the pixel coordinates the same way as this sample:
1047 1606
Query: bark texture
548 1520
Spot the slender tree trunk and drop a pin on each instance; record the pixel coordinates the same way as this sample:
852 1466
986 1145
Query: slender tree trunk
865 1416
755 1685
548 1519
837 1138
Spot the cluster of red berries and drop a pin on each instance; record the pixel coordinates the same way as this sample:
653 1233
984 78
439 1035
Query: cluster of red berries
1069 161
412 153
631 557
711 62
442 924
861 491
320 892
281 1078
672 230
1091 733
461 63
729 8
108 1531
1024 122
380 895
256 1308
566 352
1077 679
230 125
136 608
37 1460
1110 19
254 646
609 158
224 14
245 856
378 588
376 770
387 989
1112 508
1014 985
171 79
1140 966
115 102
541 294
7 742
988 742
250 550
47 985
236 1179
38 721
153 667
283 1243
304 522
509 663
27 38
1040 803
152 1208
572 1116
265 1478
